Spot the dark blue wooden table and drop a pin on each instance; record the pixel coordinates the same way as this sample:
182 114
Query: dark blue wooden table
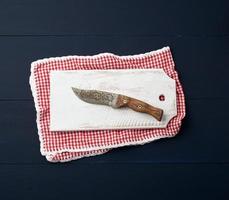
193 165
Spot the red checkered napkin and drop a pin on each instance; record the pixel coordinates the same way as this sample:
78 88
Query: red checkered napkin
69 145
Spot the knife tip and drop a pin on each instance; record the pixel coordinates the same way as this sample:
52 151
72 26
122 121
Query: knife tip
75 90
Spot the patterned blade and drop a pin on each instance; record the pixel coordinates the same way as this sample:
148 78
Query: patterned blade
96 96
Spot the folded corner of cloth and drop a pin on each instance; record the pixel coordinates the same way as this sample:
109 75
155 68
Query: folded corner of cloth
69 143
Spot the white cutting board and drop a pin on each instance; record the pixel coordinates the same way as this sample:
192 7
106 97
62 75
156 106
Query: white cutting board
68 112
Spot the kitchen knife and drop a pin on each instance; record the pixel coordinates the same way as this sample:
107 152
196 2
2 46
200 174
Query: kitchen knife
117 101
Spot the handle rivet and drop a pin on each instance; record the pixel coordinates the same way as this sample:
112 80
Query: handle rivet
124 101
139 106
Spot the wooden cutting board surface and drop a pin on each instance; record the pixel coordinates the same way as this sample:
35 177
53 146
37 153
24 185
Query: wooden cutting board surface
70 113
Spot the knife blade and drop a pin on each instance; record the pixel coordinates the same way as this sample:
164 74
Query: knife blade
117 101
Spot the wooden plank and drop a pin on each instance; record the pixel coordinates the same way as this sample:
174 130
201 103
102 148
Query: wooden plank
203 137
118 17
145 85
193 165
116 181
202 62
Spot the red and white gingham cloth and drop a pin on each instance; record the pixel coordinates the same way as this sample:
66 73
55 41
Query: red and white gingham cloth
69 145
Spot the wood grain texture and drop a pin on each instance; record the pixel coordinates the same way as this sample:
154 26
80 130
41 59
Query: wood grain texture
115 181
139 106
202 62
194 165
108 17
199 141
143 84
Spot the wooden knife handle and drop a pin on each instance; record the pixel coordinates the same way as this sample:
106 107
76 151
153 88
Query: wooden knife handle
139 106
